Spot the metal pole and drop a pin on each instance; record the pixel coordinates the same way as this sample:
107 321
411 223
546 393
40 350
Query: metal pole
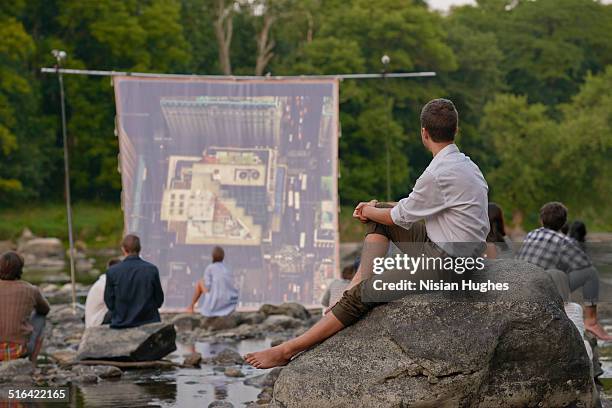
60 55
385 60
235 78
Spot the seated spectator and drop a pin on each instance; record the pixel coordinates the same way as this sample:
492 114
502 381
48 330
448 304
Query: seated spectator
336 288
498 243
220 294
133 292
578 232
96 312
23 311
548 248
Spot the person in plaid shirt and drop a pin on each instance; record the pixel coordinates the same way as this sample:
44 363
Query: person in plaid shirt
22 311
548 248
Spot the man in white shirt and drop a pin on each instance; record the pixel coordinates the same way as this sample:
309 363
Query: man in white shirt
445 215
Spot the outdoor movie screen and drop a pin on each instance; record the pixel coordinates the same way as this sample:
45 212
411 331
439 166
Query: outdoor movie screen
248 165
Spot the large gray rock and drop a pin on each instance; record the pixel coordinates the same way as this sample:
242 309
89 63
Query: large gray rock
43 248
504 349
145 343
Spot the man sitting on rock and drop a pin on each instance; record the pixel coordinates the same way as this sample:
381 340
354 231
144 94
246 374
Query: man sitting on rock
133 292
22 311
549 249
450 197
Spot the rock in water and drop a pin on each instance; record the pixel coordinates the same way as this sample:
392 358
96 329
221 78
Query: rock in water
515 348
15 370
294 310
145 343
43 248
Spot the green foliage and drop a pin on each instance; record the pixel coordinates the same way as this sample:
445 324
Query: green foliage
97 224
528 77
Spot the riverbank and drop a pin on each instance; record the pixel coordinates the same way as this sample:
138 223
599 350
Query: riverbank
207 366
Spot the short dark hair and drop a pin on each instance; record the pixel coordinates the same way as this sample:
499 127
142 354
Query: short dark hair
218 254
11 266
131 244
113 261
440 118
348 272
553 215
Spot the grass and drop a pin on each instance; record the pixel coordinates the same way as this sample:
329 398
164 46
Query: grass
99 225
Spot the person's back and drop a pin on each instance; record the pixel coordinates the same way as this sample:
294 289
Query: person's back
222 296
18 300
133 291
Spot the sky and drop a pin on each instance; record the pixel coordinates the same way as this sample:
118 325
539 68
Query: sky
445 4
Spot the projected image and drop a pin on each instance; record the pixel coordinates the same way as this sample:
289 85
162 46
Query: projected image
247 166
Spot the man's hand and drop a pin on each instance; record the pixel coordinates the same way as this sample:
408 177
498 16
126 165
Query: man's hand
190 309
358 213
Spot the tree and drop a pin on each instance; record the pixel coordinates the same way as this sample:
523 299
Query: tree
585 148
224 30
523 140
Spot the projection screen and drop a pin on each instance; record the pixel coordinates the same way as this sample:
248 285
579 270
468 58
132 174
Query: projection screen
250 166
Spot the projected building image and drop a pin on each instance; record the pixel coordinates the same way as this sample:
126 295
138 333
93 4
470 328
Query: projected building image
254 174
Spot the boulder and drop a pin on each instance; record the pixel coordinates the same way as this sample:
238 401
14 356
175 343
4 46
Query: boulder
7 246
226 357
513 348
42 248
276 323
144 343
16 370
220 322
294 310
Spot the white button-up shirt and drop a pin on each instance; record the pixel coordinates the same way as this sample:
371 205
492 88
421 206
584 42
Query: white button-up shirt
451 196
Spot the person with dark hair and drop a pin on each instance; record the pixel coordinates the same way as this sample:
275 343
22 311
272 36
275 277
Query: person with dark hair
220 293
549 249
336 287
23 311
96 312
133 291
498 243
444 216
578 232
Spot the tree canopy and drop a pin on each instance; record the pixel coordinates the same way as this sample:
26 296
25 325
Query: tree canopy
530 79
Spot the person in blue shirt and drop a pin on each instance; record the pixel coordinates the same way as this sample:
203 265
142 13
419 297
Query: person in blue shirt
220 293
133 291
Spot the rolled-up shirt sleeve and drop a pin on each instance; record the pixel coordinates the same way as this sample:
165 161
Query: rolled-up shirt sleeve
425 200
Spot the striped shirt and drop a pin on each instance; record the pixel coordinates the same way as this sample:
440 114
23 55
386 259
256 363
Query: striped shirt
18 299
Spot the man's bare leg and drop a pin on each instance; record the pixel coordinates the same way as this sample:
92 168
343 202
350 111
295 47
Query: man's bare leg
374 245
281 354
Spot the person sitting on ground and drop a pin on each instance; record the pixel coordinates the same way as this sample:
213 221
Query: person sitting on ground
499 244
548 248
23 311
220 293
96 312
450 197
336 287
133 291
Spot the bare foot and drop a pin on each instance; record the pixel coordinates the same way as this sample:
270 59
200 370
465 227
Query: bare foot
273 357
598 331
